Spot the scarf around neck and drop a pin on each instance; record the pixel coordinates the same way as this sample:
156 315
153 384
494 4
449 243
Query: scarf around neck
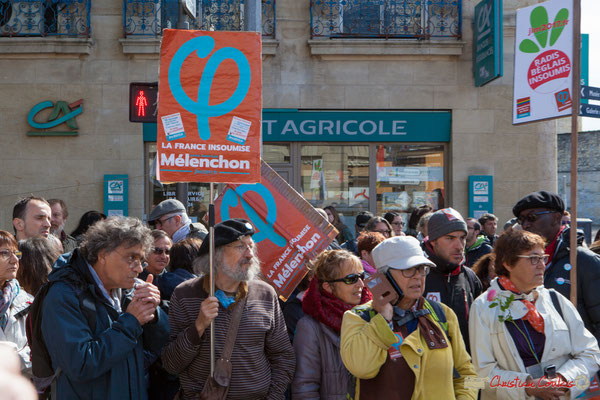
533 316
10 291
327 308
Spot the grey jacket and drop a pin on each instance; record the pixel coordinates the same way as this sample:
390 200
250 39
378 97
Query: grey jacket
320 372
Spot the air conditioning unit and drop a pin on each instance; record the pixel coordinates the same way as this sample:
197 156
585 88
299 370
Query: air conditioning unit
143 18
24 18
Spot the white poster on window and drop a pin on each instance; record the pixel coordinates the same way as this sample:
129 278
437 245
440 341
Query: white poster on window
316 176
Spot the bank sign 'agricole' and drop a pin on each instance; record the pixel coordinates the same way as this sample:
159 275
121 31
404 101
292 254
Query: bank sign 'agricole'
543 54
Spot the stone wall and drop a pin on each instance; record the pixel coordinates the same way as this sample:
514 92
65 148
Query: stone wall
588 173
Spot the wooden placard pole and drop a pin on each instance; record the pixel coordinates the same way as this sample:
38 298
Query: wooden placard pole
211 271
574 131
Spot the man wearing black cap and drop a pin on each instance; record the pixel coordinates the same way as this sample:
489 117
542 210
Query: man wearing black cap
451 282
361 222
263 359
171 216
541 212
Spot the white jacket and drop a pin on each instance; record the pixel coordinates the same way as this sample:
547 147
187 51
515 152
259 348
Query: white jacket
495 355
14 334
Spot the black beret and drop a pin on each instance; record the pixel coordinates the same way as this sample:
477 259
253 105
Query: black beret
227 232
541 199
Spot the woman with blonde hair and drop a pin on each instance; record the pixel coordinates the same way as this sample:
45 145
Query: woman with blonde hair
337 286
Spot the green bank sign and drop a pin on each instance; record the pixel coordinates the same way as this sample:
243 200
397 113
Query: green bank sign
290 125
355 126
487 43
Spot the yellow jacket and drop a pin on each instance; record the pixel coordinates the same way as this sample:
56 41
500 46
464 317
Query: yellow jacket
364 349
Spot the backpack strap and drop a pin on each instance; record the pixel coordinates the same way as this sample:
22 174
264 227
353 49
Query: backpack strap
556 303
438 314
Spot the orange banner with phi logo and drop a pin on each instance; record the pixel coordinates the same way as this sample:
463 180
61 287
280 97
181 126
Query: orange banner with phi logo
289 231
210 104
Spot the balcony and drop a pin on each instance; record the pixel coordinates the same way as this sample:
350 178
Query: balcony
42 18
388 19
147 18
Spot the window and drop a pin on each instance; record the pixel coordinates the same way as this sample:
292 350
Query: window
409 176
150 17
386 18
336 175
69 18
198 193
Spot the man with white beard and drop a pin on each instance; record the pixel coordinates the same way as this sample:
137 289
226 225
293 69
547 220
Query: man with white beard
263 360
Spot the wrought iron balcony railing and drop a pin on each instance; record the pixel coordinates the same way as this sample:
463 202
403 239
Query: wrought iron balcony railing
150 17
417 19
69 18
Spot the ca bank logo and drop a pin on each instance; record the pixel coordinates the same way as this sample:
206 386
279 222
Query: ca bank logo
203 46
265 229
61 113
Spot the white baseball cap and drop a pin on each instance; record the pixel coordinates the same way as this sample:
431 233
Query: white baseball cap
399 252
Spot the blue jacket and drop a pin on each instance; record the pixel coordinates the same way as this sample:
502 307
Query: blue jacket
101 362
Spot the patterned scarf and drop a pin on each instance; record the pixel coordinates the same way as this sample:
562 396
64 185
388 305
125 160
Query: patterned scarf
533 316
9 293
327 308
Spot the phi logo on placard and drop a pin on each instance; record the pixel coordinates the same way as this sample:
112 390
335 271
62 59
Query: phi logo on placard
435 296
202 46
265 229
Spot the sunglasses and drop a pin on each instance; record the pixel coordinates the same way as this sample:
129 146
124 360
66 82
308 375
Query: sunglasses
159 251
531 218
349 279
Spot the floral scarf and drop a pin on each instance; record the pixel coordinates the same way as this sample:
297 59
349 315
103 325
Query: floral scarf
9 294
327 308
533 316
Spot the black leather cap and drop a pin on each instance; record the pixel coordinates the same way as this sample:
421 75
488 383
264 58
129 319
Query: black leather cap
540 199
227 232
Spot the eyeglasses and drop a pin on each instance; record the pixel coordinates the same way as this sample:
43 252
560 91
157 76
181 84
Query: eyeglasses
349 279
410 272
242 247
159 222
159 251
6 254
133 260
531 218
535 259
385 232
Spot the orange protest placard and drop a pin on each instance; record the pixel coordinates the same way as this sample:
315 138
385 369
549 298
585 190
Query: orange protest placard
289 231
210 104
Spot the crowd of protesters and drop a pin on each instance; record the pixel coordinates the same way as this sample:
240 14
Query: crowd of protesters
432 307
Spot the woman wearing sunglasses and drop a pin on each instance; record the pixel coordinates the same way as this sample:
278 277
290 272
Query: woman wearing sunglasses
526 340
14 301
336 287
401 345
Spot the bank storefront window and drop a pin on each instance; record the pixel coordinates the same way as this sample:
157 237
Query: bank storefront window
198 193
336 175
409 176
376 161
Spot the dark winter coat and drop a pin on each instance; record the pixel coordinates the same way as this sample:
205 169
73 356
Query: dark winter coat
479 249
102 363
456 286
557 276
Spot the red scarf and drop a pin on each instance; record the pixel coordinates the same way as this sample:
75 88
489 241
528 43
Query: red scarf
327 308
533 316
551 248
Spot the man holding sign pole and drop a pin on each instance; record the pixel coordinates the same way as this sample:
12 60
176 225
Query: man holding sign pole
262 359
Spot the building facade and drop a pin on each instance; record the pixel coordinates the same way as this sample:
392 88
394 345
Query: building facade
366 105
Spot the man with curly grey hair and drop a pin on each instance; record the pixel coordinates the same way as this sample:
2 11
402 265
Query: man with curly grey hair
98 318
